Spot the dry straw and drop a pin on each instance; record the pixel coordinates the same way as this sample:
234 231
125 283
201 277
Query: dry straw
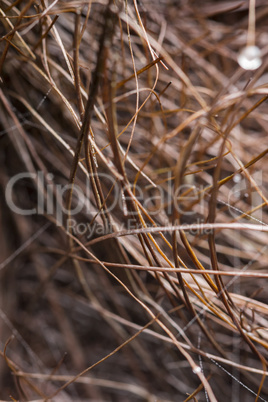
133 201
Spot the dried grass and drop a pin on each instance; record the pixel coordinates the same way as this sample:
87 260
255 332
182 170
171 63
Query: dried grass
155 289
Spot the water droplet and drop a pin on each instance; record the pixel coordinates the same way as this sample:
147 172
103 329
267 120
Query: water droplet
237 178
196 370
250 58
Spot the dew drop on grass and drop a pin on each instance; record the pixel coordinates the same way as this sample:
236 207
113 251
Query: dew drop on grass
237 178
196 370
250 58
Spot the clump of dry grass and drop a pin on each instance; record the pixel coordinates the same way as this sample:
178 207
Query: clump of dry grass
133 202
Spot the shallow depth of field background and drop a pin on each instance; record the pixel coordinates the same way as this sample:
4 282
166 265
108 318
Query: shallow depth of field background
133 189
